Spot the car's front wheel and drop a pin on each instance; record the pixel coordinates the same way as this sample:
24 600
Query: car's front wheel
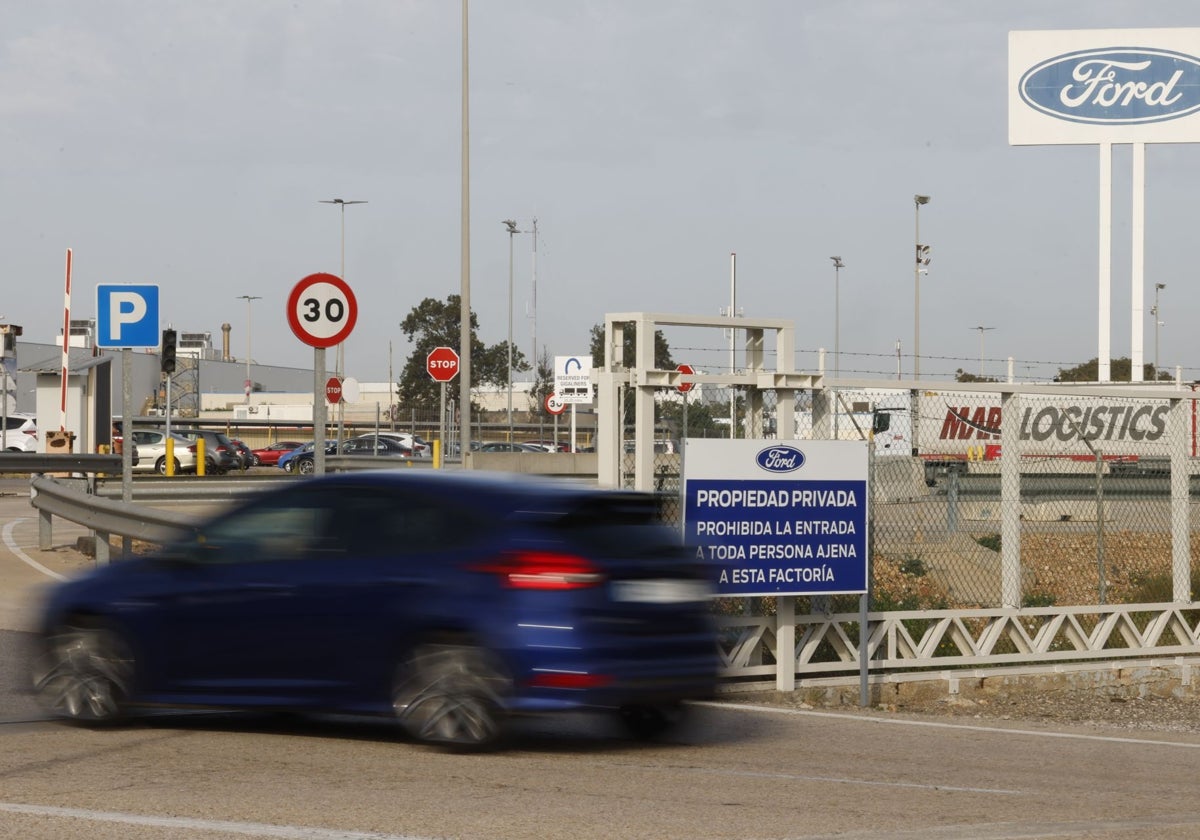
84 673
307 466
255 461
452 695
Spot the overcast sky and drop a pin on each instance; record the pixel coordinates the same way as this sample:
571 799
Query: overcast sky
188 144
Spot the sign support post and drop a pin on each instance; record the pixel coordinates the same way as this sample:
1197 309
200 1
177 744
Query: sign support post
320 415
322 312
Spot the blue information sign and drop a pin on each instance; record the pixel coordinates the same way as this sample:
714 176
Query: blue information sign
126 316
779 517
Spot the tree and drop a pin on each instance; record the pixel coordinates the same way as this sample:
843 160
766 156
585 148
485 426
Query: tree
433 323
543 385
1119 370
662 350
961 375
662 358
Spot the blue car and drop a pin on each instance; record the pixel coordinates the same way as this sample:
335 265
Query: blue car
291 461
450 601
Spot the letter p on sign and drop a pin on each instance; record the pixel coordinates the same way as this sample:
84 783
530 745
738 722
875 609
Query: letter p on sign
126 316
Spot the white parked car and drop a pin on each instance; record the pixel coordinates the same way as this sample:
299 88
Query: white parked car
21 433
420 448
152 451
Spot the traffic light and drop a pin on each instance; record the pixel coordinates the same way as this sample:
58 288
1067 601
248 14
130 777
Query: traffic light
168 351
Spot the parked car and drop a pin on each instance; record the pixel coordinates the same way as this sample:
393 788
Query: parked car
220 455
419 446
505 446
376 445
152 451
245 456
20 433
270 455
301 459
549 445
449 601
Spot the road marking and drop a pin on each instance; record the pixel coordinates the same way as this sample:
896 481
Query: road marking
249 829
943 725
21 555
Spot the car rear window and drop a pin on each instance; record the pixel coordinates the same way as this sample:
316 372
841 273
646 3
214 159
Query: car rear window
618 525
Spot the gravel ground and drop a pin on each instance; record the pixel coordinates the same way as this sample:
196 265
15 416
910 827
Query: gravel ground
1088 708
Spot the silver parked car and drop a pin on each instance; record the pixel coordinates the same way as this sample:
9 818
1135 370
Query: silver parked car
152 451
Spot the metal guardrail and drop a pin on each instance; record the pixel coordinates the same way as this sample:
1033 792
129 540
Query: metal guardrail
191 488
41 462
71 500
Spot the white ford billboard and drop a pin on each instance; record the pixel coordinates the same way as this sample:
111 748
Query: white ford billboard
1104 86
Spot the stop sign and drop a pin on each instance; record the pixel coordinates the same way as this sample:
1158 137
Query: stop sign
684 387
442 363
333 390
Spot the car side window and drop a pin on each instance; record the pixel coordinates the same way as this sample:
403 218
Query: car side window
289 528
375 523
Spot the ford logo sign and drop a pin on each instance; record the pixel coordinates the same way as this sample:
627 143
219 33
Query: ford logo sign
780 459
1114 86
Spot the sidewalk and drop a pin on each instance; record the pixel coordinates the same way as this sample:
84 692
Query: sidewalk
26 570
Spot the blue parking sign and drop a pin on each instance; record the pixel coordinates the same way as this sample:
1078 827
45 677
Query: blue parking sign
126 316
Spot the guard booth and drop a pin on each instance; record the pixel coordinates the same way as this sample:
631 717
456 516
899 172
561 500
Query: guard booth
755 378
88 406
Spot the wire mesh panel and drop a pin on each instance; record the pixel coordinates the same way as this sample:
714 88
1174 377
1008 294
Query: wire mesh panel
1095 500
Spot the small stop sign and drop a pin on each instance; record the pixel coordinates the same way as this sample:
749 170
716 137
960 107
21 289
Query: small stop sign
333 390
442 364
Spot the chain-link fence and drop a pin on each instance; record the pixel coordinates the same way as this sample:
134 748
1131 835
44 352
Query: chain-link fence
1095 510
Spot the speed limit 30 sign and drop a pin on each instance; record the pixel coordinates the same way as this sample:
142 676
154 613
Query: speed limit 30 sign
322 310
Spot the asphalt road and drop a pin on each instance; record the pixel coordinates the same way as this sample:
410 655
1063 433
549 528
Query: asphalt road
732 772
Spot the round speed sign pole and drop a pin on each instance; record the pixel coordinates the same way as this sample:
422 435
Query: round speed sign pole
322 312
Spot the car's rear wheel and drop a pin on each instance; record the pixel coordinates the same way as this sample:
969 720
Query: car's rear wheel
160 466
452 695
84 673
646 722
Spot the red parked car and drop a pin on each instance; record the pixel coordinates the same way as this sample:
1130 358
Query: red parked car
270 455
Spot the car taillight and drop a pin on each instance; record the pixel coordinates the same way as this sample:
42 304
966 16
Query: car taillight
544 570
569 680
192 449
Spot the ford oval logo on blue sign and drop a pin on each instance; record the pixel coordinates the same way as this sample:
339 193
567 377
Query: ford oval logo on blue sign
1115 86
780 459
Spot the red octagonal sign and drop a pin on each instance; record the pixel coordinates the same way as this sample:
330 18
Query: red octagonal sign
442 363
333 390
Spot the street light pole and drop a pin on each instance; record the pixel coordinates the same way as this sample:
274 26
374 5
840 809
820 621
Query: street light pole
922 259
838 265
1158 287
981 332
512 231
248 299
340 358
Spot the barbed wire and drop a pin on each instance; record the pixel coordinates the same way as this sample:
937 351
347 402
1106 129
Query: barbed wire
967 364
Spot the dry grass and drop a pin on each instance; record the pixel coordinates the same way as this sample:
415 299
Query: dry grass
1063 571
